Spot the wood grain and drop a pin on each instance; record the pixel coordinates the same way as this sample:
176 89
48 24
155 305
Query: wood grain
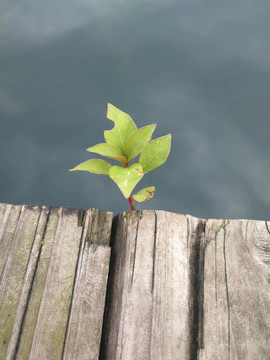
86 317
149 314
236 321
179 287
52 259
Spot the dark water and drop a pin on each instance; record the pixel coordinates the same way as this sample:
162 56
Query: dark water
199 69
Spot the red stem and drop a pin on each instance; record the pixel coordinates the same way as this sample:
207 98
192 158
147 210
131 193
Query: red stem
131 203
130 199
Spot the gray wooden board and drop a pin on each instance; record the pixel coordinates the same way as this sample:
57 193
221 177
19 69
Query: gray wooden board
85 325
42 253
187 288
18 236
179 287
236 307
148 311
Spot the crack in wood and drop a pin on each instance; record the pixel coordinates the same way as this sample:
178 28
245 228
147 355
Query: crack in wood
154 253
227 296
188 235
134 254
153 280
246 240
216 295
118 252
267 228
196 270
85 224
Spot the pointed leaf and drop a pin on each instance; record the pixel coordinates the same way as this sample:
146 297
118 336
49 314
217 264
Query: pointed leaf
155 153
145 194
95 166
137 141
123 127
126 178
108 150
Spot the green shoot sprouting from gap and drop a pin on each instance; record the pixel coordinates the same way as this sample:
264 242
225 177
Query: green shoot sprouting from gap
124 143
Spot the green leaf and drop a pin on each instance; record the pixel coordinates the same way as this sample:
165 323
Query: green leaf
123 127
155 153
145 194
137 141
95 166
108 150
126 178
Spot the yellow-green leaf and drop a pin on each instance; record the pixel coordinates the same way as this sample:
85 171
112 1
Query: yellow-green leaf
145 194
123 127
155 153
108 150
126 178
95 166
137 141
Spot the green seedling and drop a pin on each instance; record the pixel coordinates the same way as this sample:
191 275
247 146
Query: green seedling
124 143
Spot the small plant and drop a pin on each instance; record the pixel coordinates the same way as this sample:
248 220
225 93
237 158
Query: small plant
123 143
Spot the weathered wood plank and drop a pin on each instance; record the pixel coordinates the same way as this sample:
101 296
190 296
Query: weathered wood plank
16 244
10 215
85 325
42 251
38 282
179 287
56 297
236 321
148 311
27 283
55 304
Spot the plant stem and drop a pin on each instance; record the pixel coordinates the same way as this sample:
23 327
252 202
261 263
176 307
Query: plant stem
131 203
130 199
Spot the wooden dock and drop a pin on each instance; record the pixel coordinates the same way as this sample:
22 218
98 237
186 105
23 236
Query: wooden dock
146 285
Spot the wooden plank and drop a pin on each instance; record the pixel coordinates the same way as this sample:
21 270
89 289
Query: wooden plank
179 287
85 325
38 282
41 249
236 317
53 314
27 282
148 311
9 218
16 245
3 209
